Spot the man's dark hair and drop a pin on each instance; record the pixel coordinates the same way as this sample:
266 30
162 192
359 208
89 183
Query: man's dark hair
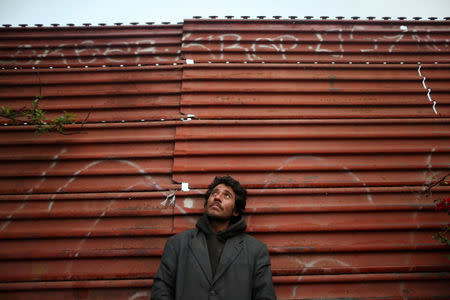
238 189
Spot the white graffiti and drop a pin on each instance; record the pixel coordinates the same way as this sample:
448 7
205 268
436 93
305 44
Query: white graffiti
87 52
424 78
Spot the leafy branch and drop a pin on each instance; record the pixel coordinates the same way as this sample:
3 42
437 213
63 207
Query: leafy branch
441 205
36 117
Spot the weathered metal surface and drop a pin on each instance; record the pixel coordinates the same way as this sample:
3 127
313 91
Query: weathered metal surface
310 41
90 46
97 94
303 91
336 157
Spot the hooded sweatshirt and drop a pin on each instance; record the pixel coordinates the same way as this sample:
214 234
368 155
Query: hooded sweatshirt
216 242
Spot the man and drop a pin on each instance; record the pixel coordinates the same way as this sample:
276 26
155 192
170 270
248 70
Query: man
216 260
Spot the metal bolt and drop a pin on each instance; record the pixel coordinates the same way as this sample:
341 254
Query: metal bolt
229 17
386 18
340 17
70 24
197 17
309 17
417 18
54 24
118 24
87 24
102 24
134 23
355 17
432 18
292 17
6 25
261 17
38 25
277 17
213 17
245 17
149 23
324 17
165 23
23 25
401 18
371 18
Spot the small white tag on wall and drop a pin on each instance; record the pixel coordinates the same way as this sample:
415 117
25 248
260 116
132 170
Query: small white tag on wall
185 186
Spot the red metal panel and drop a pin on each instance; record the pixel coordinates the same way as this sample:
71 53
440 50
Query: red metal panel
90 46
293 41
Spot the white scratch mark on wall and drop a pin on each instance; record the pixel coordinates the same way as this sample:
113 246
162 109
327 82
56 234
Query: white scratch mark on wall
427 89
139 295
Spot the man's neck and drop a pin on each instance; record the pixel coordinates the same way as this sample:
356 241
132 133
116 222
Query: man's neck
218 224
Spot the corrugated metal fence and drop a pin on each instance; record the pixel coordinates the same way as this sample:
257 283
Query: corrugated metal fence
334 126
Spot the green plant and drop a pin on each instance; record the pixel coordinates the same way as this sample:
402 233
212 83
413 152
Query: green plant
36 117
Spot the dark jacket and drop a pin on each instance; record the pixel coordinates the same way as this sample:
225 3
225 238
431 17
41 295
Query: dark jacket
185 272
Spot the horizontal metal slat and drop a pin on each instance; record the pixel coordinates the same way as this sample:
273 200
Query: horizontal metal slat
85 228
278 163
309 146
87 184
311 129
309 179
334 221
87 151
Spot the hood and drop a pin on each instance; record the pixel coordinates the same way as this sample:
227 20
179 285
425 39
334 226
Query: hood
237 226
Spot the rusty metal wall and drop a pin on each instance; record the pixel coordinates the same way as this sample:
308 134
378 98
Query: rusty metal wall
334 126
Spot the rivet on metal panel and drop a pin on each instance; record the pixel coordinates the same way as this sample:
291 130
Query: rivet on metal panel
38 25
197 17
371 18
103 66
86 66
209 62
149 23
349 62
174 64
123 121
324 17
292 17
309 17
162 119
142 120
165 23
386 18
417 18
23 25
245 62
447 18
103 121
316 62
401 18
70 24
298 62
277 17
401 63
25 123
50 67
355 17
68 67
55 24
332 62
87 24
435 62
31 68
262 62
189 61
260 17
227 62
7 25
101 24
156 64
432 18
245 17
213 17
384 62
121 66
185 186
367 62
5 124
139 65
229 17
340 17
134 23
118 24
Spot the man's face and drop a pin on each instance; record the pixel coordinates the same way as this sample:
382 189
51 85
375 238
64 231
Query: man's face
220 203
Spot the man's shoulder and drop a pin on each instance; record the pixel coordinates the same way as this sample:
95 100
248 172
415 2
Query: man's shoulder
253 242
182 236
